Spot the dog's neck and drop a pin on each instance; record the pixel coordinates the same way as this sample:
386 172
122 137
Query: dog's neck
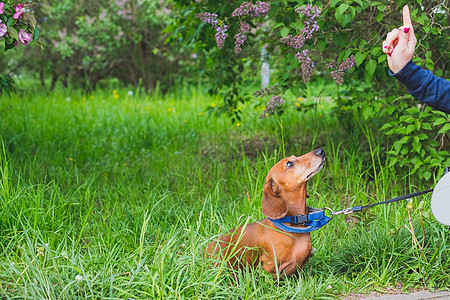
296 202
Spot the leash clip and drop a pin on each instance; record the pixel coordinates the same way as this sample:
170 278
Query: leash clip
349 210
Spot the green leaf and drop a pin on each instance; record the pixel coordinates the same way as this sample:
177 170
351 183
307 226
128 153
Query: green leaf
36 34
439 121
443 153
371 65
406 119
433 143
367 112
445 128
334 2
295 90
386 126
31 20
410 128
13 33
381 58
322 45
360 57
422 136
416 144
426 126
418 125
284 32
379 16
342 8
393 161
435 162
345 19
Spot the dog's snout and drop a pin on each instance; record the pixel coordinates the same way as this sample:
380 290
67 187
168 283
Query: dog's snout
320 152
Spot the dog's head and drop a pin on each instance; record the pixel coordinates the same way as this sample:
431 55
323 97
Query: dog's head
286 182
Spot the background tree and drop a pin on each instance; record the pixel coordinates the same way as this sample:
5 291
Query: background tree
88 41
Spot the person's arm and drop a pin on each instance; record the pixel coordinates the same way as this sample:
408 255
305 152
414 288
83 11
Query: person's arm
424 86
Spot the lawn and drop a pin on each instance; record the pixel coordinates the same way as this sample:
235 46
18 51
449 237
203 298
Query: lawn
115 196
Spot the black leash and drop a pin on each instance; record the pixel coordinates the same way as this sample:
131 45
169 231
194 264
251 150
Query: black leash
350 210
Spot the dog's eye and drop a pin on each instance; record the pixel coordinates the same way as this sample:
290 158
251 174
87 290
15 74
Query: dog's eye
289 164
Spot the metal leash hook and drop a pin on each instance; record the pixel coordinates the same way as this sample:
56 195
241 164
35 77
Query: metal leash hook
347 211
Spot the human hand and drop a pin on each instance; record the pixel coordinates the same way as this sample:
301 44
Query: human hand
400 43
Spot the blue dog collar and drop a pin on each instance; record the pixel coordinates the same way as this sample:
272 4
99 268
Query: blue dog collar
314 220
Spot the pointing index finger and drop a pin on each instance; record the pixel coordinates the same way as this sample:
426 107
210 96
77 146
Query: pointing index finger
406 17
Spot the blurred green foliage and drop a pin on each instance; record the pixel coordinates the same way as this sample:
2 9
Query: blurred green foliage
87 41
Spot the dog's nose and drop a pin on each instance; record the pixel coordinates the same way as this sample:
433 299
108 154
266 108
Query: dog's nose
320 152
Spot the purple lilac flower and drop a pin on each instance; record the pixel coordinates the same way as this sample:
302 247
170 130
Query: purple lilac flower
307 64
338 73
246 9
310 12
120 3
244 27
208 18
3 29
221 35
2 5
296 41
253 10
90 20
62 34
272 105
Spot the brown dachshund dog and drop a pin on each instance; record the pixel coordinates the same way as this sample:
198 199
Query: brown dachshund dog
261 243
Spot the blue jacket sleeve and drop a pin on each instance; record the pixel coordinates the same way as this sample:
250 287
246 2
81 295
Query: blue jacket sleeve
424 86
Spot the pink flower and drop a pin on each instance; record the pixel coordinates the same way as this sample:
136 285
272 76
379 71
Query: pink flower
3 29
338 73
221 35
19 11
25 37
2 5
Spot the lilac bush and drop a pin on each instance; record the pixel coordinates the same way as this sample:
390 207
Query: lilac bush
247 9
294 42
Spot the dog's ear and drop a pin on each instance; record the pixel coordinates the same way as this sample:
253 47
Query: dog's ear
273 206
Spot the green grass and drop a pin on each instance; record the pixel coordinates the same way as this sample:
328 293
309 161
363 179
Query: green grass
114 198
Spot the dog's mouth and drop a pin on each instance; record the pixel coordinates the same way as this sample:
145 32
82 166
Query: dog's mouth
317 170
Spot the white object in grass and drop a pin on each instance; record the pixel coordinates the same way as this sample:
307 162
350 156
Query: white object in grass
440 200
